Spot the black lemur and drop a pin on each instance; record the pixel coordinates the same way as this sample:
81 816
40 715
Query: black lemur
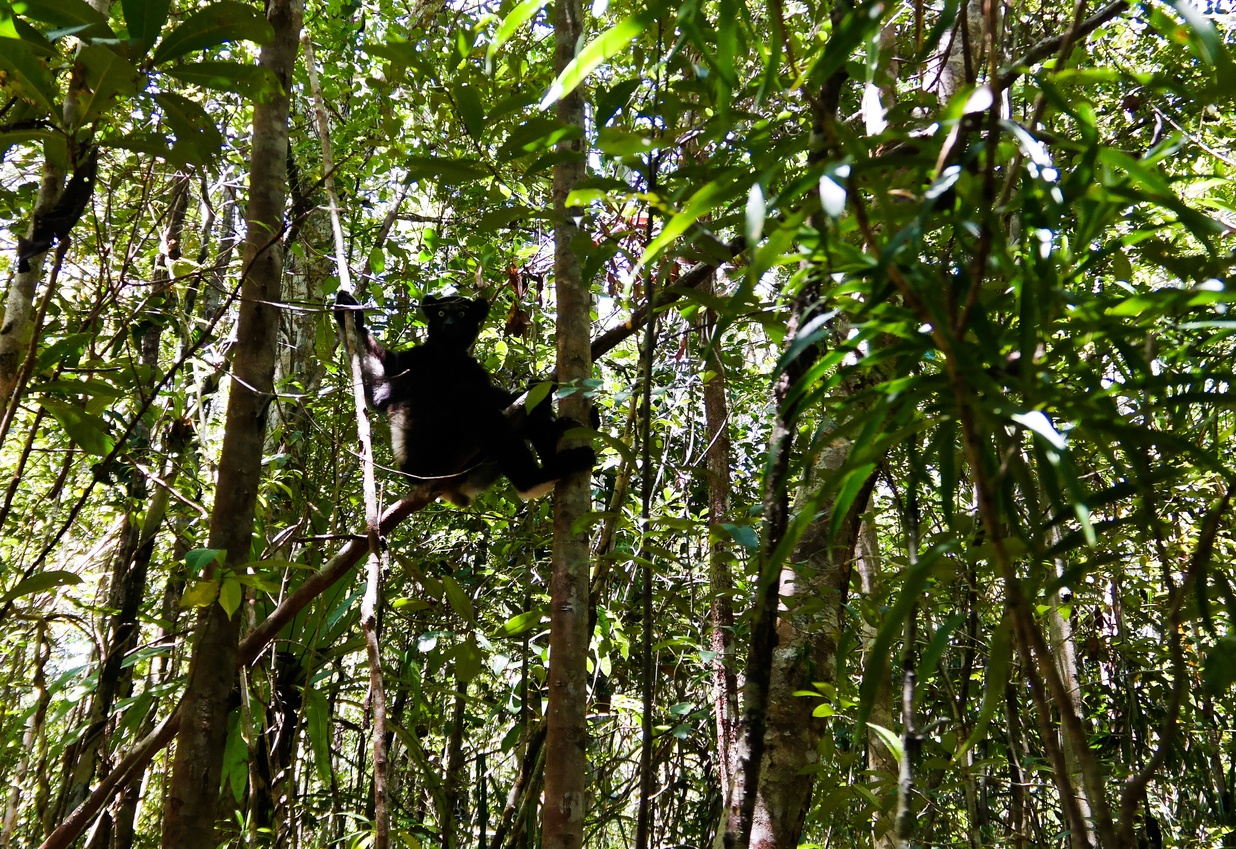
449 423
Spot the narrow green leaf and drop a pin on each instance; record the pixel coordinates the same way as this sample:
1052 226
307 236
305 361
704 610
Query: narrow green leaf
236 758
859 23
8 22
42 582
744 535
606 45
1219 669
200 559
467 660
86 429
145 19
219 23
458 599
538 393
520 624
699 204
96 388
889 739
615 142
517 17
471 110
317 724
999 658
610 100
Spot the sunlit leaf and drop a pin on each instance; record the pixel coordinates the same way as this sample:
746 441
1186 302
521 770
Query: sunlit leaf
221 22
603 48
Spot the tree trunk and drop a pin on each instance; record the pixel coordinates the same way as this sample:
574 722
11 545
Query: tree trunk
720 580
18 329
189 812
805 655
567 732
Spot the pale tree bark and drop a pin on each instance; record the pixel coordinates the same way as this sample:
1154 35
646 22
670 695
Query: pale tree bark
18 328
1064 651
880 760
805 655
567 732
720 579
189 811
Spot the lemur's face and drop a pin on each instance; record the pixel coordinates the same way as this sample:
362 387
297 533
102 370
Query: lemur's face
454 321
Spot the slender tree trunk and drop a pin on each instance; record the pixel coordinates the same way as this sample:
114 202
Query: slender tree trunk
452 790
880 761
189 812
1064 651
805 655
30 737
720 580
18 329
567 732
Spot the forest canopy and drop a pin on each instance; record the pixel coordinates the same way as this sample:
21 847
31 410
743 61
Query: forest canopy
899 330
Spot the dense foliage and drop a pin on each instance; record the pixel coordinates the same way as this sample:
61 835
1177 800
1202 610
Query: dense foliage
948 281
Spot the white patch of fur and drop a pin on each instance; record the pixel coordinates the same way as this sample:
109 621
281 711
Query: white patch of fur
537 491
399 432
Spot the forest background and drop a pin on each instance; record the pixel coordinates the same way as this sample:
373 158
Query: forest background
906 324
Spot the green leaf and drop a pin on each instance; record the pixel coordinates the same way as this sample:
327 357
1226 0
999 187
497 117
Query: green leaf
86 429
890 739
28 76
516 18
999 658
200 559
854 29
699 204
1219 669
520 624
8 23
609 101
255 82
317 724
445 171
607 45
471 110
200 594
42 582
537 393
458 599
219 23
145 19
615 142
198 139
66 14
108 76
939 642
94 388
236 758
231 593
467 660
744 535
